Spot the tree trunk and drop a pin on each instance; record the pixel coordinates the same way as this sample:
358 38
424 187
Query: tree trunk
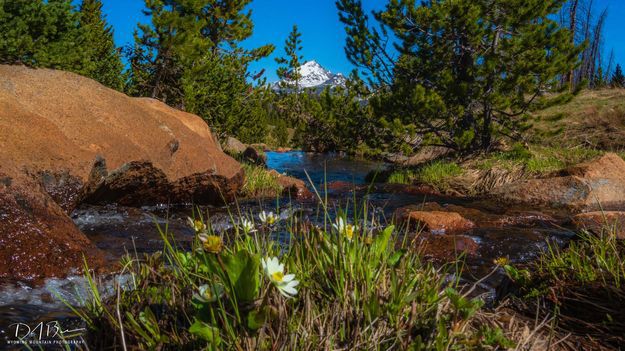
573 29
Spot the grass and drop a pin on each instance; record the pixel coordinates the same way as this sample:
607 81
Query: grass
536 160
437 174
259 182
361 286
593 119
584 284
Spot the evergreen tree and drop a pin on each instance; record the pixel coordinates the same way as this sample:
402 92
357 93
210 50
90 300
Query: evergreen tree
41 34
190 57
618 79
467 70
289 69
290 104
103 61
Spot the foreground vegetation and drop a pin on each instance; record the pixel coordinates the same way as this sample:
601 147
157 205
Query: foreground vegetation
278 283
583 284
342 286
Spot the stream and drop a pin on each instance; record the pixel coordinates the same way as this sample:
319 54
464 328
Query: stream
119 230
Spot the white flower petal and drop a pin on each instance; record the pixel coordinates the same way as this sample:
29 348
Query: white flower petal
293 283
287 278
289 290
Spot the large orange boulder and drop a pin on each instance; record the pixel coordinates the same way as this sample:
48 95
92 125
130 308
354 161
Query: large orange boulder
66 139
599 183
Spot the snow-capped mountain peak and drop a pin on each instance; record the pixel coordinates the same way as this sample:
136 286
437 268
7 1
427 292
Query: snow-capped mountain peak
313 75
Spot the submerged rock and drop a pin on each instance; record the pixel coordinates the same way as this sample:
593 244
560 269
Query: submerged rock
602 222
293 187
433 221
66 139
592 185
447 248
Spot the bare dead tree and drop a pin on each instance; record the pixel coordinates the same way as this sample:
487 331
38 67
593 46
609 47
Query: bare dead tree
573 29
587 26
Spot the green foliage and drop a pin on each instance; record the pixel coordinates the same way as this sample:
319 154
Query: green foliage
259 182
592 258
288 71
618 79
538 159
340 123
338 119
216 89
583 283
38 33
279 134
102 59
51 34
437 174
190 57
362 285
467 70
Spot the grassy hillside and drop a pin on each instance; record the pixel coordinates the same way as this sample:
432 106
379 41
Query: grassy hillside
593 119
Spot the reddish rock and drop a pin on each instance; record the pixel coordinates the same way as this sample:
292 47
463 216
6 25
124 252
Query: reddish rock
296 188
37 238
447 248
484 219
340 186
592 185
417 189
66 139
433 221
612 222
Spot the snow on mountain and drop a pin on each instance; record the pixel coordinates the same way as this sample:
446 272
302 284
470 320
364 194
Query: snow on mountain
314 76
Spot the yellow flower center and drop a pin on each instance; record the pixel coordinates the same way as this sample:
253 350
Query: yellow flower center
349 232
213 244
277 276
198 225
501 261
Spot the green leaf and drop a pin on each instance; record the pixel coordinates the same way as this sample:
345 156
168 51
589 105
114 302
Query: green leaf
256 319
396 257
243 271
380 243
205 332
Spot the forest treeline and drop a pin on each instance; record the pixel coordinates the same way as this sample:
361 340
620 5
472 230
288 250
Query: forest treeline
461 74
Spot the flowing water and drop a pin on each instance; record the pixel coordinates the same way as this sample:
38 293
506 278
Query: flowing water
342 180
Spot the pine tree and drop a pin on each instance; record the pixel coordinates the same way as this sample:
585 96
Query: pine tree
103 58
190 57
618 79
41 34
290 104
467 70
288 71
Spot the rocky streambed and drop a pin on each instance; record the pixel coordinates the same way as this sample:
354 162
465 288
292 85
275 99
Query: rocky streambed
481 229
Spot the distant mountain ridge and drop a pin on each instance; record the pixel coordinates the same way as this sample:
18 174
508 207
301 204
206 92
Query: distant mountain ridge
314 76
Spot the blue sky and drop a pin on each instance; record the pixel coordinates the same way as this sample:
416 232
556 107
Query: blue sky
322 34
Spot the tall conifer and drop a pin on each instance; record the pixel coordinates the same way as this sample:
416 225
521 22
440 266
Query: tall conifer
103 59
